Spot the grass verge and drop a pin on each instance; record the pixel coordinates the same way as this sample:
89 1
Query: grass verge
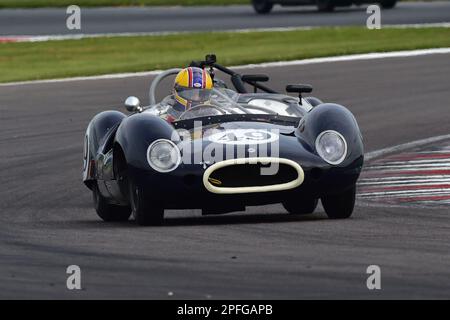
59 59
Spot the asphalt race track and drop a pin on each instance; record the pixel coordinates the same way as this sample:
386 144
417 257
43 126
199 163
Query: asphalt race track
116 20
47 221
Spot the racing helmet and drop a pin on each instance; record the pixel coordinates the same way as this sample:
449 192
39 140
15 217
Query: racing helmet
192 87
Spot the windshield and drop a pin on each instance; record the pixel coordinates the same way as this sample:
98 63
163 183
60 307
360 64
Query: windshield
222 101
193 94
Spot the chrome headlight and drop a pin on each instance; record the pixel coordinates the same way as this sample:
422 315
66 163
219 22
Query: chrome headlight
163 155
331 146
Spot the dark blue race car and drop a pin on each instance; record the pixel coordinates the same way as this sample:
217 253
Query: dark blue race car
239 149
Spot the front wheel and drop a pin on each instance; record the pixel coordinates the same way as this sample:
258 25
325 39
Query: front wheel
388 4
109 212
145 212
262 6
301 206
340 206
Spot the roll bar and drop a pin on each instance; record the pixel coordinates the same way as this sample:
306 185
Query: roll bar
156 81
236 79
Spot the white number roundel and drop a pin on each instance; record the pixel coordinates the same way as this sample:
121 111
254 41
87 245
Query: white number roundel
244 136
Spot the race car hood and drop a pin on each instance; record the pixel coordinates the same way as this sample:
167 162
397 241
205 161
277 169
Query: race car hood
210 131
244 139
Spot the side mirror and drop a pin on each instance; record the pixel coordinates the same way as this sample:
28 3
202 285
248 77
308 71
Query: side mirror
299 88
132 104
254 78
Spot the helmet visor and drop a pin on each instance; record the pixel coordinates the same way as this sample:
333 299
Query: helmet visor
192 94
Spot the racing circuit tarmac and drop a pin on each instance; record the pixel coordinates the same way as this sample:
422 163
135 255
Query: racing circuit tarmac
47 221
157 19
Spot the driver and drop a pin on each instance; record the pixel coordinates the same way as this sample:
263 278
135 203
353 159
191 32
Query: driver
192 87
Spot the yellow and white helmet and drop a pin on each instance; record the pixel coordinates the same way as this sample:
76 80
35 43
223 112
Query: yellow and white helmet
192 86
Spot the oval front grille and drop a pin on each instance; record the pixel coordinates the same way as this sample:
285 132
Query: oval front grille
244 175
247 175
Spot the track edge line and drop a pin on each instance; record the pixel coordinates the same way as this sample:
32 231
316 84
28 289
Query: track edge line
352 57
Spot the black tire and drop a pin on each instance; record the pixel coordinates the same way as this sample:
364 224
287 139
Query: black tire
301 206
262 6
388 4
145 212
109 212
340 206
325 5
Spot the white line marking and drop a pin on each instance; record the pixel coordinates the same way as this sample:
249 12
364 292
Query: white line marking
409 192
353 57
405 183
101 77
417 25
80 36
409 145
435 166
435 201
60 37
421 171
405 178
430 161
443 151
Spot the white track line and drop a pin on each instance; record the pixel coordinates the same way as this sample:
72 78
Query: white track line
59 37
443 151
402 147
406 193
397 183
353 57
405 187
435 166
435 202
401 170
91 78
80 36
405 178
418 162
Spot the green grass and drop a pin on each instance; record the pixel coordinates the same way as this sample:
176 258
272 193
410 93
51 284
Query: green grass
58 59
100 3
